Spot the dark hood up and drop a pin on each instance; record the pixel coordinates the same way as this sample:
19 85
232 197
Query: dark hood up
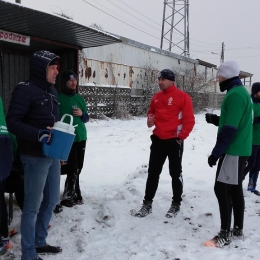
39 62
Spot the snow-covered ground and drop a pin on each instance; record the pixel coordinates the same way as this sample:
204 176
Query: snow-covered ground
113 182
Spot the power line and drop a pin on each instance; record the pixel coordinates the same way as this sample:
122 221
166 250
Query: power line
203 51
142 20
117 15
132 14
129 14
139 13
121 20
243 48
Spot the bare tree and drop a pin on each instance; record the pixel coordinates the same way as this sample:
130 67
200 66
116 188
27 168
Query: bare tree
189 79
197 85
150 87
121 97
82 56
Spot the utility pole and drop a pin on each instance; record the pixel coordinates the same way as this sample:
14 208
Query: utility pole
222 53
176 19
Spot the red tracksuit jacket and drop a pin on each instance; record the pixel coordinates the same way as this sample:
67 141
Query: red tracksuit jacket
174 116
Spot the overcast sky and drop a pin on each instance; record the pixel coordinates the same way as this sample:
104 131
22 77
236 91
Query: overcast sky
234 22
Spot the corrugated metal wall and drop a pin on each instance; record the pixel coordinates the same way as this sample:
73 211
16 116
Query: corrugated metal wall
122 53
123 65
111 74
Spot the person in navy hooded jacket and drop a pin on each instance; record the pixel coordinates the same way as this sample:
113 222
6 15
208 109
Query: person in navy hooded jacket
33 111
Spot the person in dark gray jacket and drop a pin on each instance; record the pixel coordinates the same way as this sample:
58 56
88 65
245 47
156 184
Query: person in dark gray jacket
32 113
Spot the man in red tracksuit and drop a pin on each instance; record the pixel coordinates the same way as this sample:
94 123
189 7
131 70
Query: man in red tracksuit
171 112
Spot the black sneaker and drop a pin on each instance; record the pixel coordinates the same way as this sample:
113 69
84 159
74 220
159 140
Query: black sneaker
78 200
58 209
173 211
145 210
67 203
236 232
50 250
220 240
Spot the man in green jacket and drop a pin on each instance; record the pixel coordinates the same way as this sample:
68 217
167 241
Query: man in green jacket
232 148
74 104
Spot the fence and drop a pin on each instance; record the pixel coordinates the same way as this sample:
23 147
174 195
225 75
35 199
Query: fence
118 101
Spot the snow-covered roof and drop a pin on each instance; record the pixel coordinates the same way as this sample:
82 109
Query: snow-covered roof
23 20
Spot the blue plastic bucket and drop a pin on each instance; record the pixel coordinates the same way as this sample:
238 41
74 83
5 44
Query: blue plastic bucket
62 137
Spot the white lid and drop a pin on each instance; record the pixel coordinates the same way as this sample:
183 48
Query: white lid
60 126
64 127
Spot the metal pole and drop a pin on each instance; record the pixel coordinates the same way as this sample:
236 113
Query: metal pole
188 30
163 23
170 42
185 29
222 53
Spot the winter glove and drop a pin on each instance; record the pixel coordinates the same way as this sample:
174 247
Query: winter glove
212 160
85 117
44 135
179 140
212 119
256 120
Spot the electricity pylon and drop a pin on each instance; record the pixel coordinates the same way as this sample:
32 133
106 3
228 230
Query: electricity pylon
176 19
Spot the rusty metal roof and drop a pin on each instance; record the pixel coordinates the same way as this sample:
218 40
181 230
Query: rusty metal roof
206 64
22 20
244 74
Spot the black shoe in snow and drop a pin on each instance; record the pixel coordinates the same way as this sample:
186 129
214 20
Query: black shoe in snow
58 209
237 233
220 240
173 211
67 203
78 200
48 250
256 192
145 210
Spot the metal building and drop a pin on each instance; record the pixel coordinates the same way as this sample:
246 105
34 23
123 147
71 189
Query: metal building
124 63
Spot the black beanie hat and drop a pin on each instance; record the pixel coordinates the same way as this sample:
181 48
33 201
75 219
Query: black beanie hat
55 62
166 74
67 75
255 88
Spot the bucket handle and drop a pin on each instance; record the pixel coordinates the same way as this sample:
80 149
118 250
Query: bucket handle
71 118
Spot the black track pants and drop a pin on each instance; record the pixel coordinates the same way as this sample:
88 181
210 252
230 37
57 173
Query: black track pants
160 150
230 197
73 168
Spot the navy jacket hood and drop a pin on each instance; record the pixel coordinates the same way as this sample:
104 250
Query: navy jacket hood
39 62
